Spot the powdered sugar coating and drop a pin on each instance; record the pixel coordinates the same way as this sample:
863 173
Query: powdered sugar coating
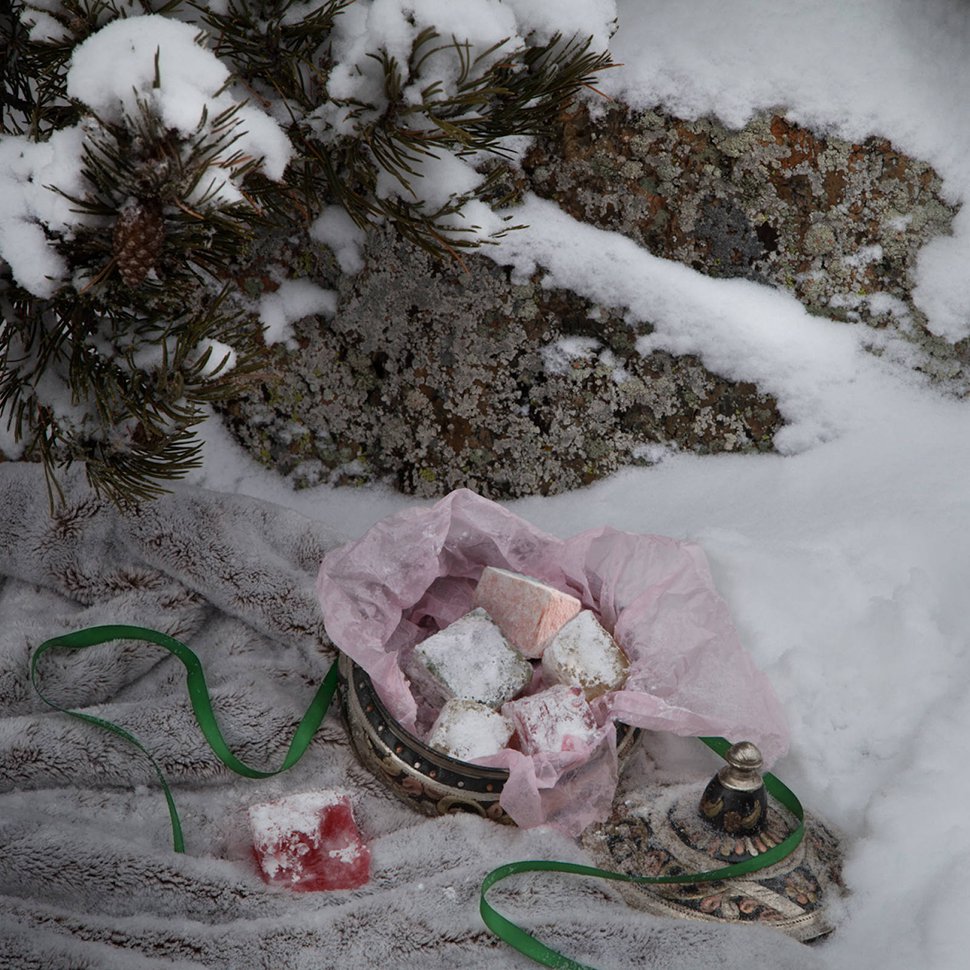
309 841
467 729
554 720
469 660
582 654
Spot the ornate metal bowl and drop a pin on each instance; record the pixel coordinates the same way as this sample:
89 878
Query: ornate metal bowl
428 780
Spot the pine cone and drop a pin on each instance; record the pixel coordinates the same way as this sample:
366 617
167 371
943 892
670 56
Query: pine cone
138 238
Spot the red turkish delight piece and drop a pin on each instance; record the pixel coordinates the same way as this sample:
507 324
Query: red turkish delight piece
309 842
554 720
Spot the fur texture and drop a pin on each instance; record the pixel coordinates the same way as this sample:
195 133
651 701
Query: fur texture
87 875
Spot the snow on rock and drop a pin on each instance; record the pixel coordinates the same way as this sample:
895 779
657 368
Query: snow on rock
850 67
334 228
739 329
294 300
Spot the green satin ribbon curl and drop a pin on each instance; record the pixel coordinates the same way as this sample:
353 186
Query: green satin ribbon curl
504 928
201 706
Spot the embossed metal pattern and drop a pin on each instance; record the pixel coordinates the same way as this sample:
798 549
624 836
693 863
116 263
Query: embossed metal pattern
658 831
425 778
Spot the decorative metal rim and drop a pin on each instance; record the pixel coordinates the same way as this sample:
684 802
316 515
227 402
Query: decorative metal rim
428 779
411 751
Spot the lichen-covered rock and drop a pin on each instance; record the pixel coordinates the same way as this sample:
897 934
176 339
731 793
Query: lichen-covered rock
838 224
441 375
437 376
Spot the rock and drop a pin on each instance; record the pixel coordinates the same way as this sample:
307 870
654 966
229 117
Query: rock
434 376
464 380
837 223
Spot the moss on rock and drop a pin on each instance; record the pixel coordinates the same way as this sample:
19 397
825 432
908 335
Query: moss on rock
438 375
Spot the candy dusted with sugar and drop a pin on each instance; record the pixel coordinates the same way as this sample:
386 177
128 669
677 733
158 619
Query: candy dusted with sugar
470 660
582 654
556 719
309 842
528 612
467 729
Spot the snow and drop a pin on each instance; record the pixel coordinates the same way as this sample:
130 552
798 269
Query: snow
112 72
222 358
467 730
294 300
334 228
115 69
845 560
890 68
26 169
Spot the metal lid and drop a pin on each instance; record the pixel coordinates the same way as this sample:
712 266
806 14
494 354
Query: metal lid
658 830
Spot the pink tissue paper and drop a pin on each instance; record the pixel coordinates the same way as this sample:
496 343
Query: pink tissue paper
415 572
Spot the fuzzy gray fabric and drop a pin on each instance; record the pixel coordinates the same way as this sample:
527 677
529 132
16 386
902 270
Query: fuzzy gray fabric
88 878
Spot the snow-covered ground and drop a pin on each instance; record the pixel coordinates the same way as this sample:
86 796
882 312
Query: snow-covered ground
846 559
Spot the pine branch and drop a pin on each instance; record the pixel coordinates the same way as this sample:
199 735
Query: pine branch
116 368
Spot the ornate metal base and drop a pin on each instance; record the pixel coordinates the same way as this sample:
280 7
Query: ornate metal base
428 780
658 831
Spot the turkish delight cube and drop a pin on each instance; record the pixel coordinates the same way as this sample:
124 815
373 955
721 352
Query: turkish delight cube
467 729
309 842
582 654
527 611
470 660
556 719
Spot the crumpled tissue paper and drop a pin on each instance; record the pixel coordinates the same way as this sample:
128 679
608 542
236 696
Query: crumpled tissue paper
414 573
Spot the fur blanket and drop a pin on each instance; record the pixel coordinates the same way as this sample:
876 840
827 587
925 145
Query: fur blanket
87 875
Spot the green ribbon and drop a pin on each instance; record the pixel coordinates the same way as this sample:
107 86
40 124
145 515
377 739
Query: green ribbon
503 927
201 706
537 951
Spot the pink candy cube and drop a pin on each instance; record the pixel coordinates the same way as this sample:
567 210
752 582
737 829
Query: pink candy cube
309 842
528 612
554 720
